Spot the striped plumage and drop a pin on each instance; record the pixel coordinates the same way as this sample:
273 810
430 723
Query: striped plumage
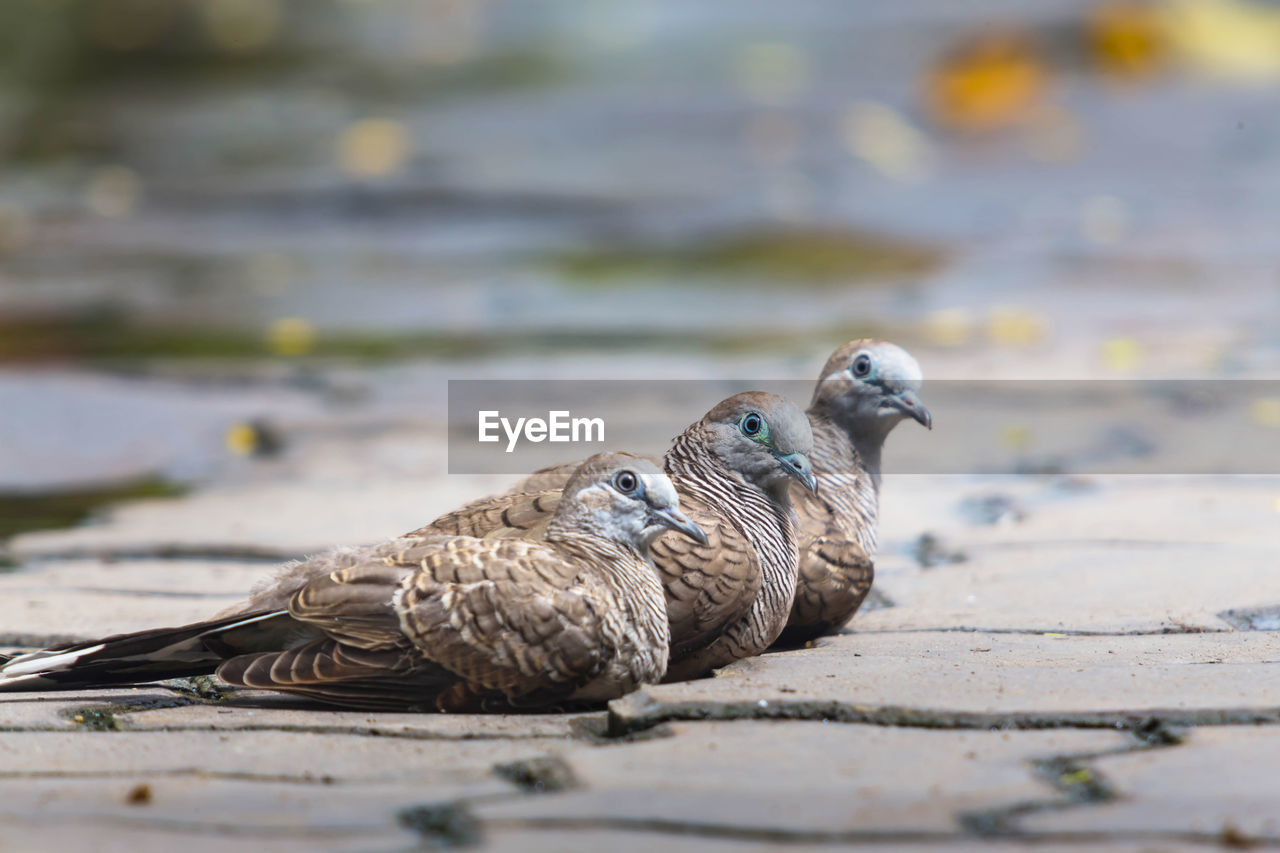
728 598
444 623
866 388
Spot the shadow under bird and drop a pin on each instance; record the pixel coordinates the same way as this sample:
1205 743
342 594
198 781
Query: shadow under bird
443 623
727 598
866 388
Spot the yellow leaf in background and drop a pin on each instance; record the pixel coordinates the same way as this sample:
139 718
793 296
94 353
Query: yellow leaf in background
1225 38
1265 412
1127 39
373 148
951 327
1016 437
242 439
989 82
290 336
1121 354
1018 327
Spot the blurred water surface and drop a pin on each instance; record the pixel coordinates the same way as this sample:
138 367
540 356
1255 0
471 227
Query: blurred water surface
1074 189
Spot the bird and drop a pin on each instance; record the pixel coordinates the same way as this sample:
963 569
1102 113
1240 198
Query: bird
442 623
866 388
727 598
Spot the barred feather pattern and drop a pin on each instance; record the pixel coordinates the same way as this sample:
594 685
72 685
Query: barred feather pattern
769 527
837 535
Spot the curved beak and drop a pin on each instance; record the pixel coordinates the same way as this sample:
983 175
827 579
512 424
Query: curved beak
679 522
909 404
797 465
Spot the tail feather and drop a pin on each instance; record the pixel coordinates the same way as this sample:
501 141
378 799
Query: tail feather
150 655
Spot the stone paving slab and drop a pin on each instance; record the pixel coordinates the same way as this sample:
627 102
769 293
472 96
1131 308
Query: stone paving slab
130 833
57 711
48 612
1005 676
1220 780
1169 510
276 755
1118 588
234 717
804 779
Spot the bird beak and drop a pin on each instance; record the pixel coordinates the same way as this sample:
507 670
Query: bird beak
909 404
797 465
679 522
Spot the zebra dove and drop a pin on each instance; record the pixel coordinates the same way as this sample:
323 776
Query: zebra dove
727 598
866 388
449 623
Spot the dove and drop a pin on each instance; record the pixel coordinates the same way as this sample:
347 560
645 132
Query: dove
435 623
727 598
866 388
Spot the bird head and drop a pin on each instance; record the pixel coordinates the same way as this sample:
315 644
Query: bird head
763 437
628 499
870 386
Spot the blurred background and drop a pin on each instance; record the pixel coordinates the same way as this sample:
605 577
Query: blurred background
246 240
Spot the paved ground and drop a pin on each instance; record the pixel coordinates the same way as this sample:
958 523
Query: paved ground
1085 674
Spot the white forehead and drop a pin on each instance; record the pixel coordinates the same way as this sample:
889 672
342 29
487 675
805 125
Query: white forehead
896 364
892 364
658 487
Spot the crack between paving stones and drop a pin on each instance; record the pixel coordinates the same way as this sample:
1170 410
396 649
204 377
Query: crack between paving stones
1041 632
647 713
1075 780
790 836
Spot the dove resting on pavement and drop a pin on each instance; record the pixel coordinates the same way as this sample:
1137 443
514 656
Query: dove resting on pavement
450 623
727 598
865 389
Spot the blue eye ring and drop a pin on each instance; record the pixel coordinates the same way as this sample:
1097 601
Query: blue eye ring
627 482
861 366
751 424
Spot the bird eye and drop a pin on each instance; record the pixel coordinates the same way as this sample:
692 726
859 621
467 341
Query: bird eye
626 482
751 424
861 365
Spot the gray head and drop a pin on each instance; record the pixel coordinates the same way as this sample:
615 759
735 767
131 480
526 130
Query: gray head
763 437
869 386
624 498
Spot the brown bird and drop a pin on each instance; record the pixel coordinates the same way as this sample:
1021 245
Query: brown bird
727 598
866 389
447 623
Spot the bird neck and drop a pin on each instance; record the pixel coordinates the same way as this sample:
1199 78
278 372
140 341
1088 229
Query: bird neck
847 465
767 521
